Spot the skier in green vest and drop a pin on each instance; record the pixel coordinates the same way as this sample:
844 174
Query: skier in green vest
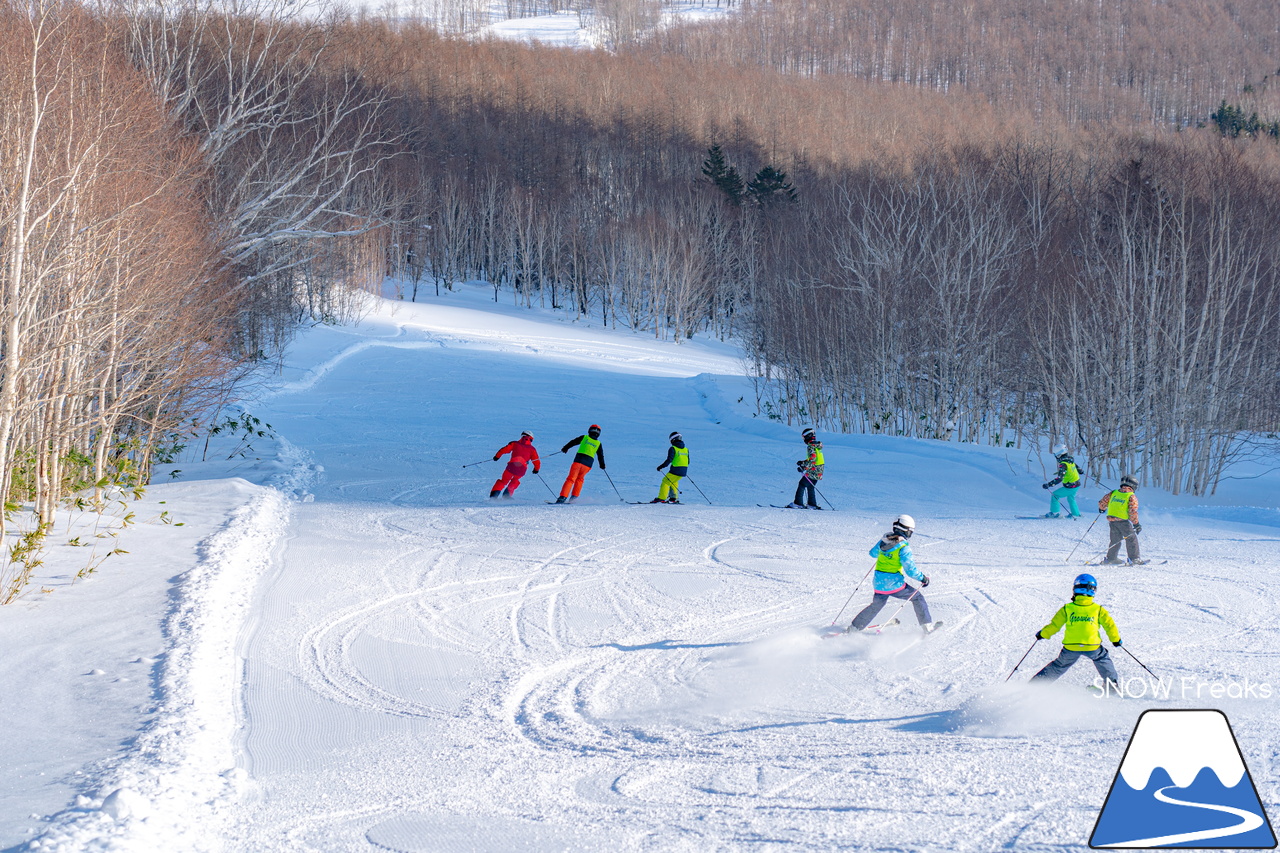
1084 620
894 565
678 459
1070 476
811 469
1121 507
589 450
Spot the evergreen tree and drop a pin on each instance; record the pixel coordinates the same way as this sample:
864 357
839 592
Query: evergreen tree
770 187
723 175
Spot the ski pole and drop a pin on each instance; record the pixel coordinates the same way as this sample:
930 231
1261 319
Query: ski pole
481 462
1024 657
695 485
1104 551
544 482
902 606
615 488
819 491
1138 662
1082 538
852 594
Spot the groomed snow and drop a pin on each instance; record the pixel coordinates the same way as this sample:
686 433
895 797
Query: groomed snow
367 654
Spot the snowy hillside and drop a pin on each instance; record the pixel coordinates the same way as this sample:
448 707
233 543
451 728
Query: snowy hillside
386 660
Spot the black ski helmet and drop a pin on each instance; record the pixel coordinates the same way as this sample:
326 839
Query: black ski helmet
1085 585
675 436
1130 481
809 435
594 430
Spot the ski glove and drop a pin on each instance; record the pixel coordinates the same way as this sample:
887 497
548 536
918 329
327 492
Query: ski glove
925 582
1116 644
1038 637
1137 528
495 459
535 470
659 468
1045 486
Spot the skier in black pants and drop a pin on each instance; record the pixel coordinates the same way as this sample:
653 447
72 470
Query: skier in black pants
810 469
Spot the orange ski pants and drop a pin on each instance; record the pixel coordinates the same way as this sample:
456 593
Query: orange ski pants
574 481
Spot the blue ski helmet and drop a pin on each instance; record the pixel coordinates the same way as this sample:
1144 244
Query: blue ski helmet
1085 585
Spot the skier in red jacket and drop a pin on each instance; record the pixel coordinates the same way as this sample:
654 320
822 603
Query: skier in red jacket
522 453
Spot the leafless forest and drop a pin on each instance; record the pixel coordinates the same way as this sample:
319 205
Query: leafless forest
992 222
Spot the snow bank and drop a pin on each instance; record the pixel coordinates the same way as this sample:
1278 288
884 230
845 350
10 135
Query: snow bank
176 785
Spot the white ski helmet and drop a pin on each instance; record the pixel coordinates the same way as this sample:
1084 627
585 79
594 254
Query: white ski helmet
526 432
1060 451
904 523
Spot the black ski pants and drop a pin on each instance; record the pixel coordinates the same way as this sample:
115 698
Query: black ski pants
806 489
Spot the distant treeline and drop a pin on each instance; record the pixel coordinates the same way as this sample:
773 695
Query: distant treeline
182 186
1134 61
922 266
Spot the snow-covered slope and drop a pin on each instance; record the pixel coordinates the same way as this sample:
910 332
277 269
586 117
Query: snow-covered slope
426 670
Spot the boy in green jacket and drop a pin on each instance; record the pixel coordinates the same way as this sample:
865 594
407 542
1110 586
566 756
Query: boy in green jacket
1083 618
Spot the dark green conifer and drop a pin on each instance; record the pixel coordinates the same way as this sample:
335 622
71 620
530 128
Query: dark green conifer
770 188
723 175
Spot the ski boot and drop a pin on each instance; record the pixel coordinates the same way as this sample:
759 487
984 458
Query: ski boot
795 506
814 506
1051 515
494 494
561 499
657 501
673 500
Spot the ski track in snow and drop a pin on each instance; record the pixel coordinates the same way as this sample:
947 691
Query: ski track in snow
423 670
665 677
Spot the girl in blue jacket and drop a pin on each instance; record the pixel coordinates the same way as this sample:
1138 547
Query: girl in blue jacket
894 564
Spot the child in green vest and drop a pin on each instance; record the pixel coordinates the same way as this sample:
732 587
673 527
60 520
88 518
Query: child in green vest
1082 617
1070 476
1121 507
678 459
589 449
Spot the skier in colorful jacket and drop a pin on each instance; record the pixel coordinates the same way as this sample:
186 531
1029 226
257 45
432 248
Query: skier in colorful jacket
1084 620
894 564
1121 507
810 468
589 450
522 453
1070 476
678 459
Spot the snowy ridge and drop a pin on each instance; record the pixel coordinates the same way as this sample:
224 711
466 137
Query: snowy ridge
469 323
175 787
